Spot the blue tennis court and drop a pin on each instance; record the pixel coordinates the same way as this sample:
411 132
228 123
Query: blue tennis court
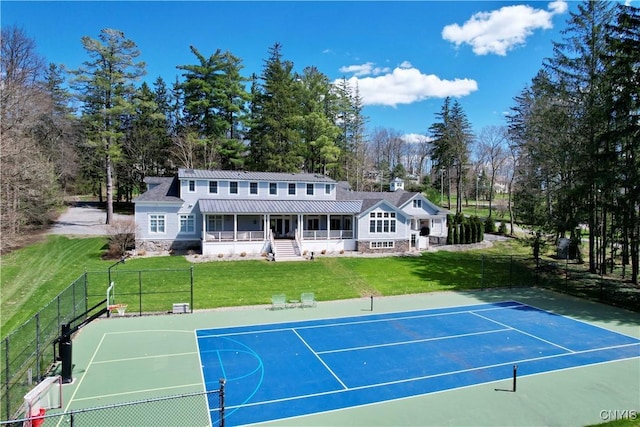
283 370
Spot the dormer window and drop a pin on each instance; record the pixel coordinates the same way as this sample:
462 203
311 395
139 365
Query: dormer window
253 188
233 187
309 189
192 186
292 189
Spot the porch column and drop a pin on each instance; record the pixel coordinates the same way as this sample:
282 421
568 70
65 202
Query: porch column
300 227
204 227
328 226
235 227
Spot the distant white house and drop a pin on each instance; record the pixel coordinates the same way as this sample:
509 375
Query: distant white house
219 212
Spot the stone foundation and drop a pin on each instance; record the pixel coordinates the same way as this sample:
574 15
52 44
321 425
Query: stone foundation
400 246
169 246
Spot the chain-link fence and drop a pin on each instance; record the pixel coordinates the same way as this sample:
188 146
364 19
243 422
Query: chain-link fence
190 409
560 275
144 291
28 351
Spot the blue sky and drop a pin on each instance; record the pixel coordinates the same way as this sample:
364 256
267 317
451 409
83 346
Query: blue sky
406 56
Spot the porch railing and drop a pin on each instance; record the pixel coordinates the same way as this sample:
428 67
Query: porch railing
230 236
327 234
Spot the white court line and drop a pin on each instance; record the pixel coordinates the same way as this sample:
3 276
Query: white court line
407 380
128 359
526 333
493 331
84 374
320 359
124 393
584 322
360 322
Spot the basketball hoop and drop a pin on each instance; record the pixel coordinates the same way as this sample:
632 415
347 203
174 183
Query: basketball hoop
120 308
46 395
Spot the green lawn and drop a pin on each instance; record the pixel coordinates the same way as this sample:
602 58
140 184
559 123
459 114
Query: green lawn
34 276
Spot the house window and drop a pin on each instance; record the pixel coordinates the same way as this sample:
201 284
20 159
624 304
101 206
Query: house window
292 189
253 188
214 223
187 224
233 187
273 188
313 224
192 186
327 189
157 223
417 203
309 189
381 244
382 222
213 187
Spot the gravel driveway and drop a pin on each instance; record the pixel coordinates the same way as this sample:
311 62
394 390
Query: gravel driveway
83 219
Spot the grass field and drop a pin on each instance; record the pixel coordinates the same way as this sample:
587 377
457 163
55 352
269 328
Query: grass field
33 276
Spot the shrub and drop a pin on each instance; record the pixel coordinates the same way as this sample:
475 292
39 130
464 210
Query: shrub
502 229
489 225
122 237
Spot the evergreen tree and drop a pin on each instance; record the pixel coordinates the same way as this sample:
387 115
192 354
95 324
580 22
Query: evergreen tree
274 140
316 122
450 146
105 84
577 69
215 105
623 107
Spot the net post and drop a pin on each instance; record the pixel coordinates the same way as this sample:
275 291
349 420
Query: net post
371 302
515 371
221 395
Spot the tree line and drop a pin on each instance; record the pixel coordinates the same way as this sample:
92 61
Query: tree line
567 157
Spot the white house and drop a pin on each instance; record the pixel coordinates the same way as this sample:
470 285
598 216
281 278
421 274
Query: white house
219 212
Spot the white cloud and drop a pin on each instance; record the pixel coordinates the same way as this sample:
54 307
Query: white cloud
406 85
364 69
415 138
504 29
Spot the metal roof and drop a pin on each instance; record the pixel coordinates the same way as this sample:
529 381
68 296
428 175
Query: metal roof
280 206
252 176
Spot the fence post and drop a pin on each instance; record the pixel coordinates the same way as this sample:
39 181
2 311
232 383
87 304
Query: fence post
6 379
510 271
86 292
139 292
37 346
482 274
191 279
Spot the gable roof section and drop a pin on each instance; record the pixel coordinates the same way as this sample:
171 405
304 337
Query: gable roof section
252 176
398 199
371 204
161 190
222 206
429 207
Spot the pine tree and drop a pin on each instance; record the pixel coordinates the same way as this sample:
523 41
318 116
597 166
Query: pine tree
623 107
105 84
577 70
274 140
